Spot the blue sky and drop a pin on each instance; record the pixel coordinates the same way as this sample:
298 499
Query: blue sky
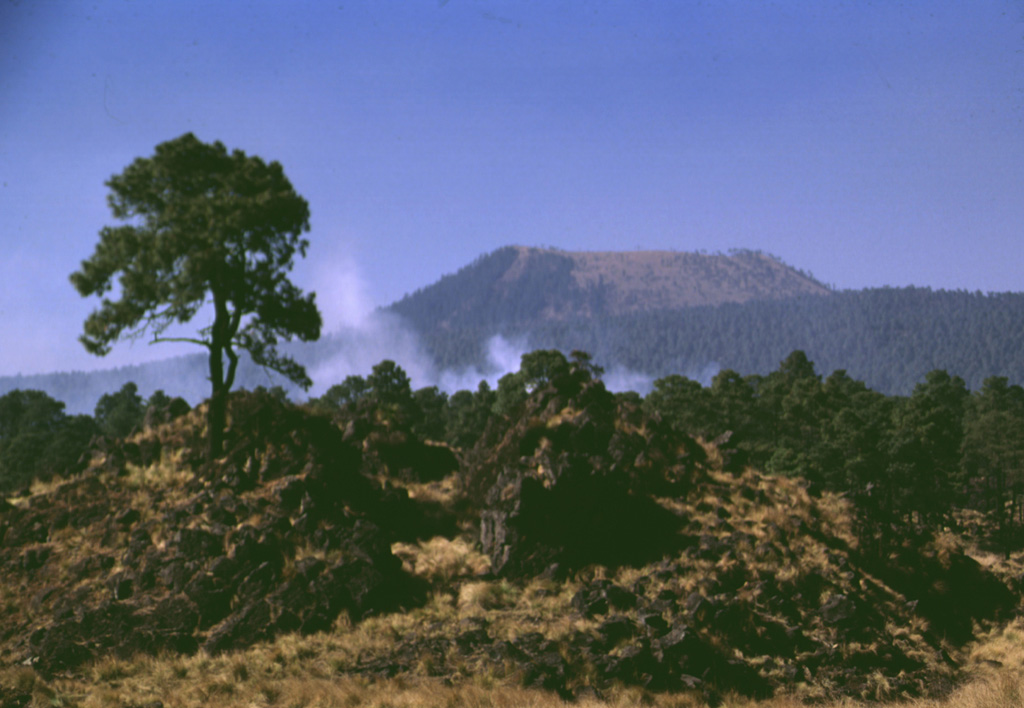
869 143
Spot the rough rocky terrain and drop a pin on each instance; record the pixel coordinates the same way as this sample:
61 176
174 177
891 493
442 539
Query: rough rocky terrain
579 546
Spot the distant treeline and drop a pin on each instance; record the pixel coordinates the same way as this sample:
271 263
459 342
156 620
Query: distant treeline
40 439
890 338
81 390
187 375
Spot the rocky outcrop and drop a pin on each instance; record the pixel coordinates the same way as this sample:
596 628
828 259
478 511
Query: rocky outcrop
571 485
282 534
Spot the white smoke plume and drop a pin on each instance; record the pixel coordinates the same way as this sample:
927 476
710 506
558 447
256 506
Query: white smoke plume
503 357
706 374
619 379
360 336
385 336
357 349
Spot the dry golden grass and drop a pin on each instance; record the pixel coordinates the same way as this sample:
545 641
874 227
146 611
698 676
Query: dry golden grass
300 674
1000 649
445 491
168 473
442 560
481 597
1003 689
40 487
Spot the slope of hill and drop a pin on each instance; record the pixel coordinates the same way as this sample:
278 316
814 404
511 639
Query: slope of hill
890 338
517 284
617 556
665 313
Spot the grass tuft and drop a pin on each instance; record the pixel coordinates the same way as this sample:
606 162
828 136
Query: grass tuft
441 560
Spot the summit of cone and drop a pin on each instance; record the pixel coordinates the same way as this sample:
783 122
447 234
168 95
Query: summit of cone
518 283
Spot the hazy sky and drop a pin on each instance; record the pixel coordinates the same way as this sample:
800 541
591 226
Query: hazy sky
870 143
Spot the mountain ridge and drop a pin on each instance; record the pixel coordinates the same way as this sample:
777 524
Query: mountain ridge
518 283
662 313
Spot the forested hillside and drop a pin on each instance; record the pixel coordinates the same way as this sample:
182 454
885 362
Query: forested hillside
659 313
887 337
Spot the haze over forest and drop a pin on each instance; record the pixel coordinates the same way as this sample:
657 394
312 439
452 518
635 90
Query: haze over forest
642 315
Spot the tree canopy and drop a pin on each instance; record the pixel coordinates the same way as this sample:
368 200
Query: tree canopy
38 439
203 226
117 414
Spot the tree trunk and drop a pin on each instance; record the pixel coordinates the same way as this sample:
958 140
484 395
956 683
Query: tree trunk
220 340
216 418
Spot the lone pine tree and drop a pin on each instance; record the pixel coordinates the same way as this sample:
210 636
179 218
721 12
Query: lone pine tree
203 227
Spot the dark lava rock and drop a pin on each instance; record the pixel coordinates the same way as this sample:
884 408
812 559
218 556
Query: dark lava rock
35 558
252 624
682 644
654 622
169 625
138 543
838 610
211 596
472 639
115 627
543 665
635 664
56 651
258 584
566 486
951 593
24 532
175 574
121 586
615 629
599 596
700 608
582 518
174 595
14 697
290 495
254 548
128 517
196 543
